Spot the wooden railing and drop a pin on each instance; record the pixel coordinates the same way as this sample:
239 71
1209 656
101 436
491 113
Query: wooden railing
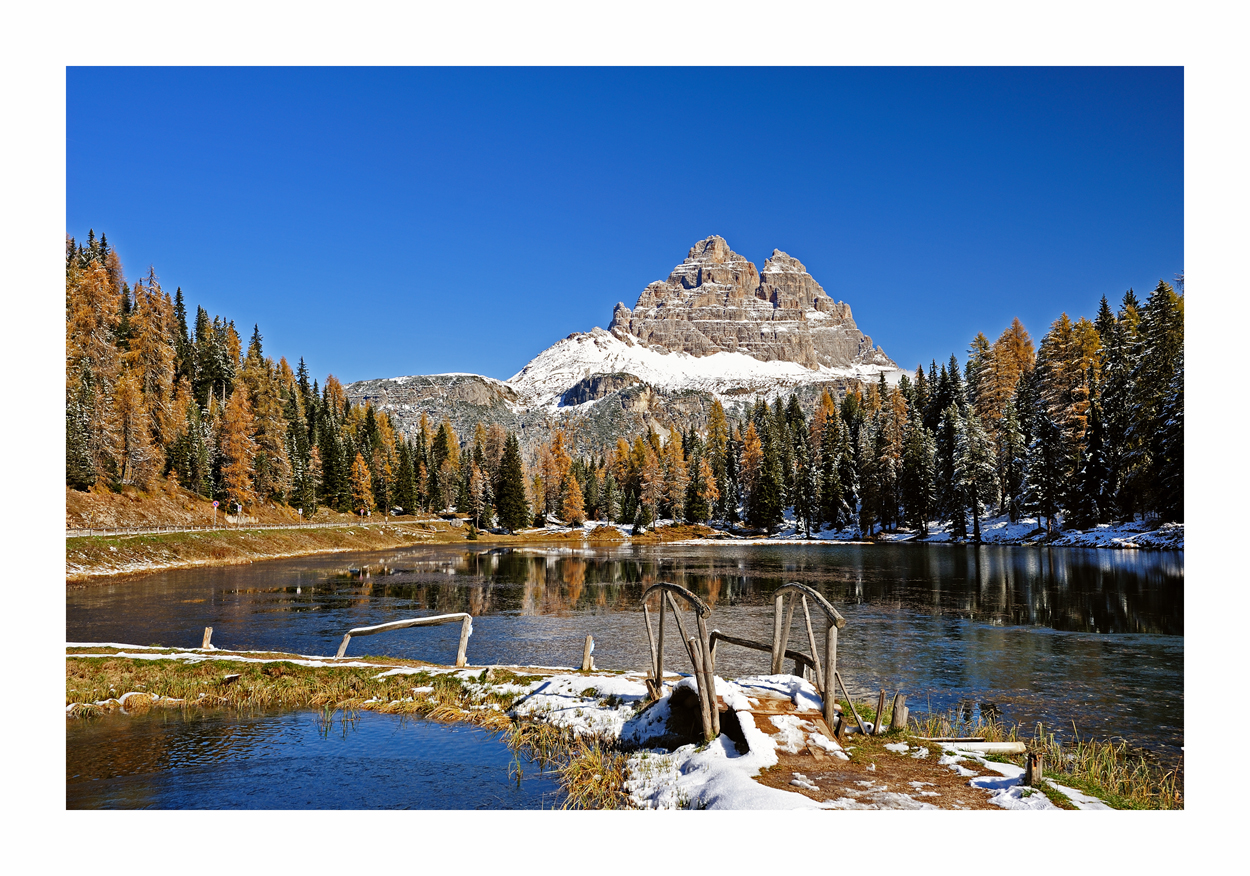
466 630
787 598
699 649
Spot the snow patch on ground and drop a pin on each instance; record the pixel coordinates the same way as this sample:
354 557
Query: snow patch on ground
1078 799
1136 534
593 706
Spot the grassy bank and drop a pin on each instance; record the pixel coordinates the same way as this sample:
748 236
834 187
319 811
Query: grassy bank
95 685
1121 776
593 769
94 557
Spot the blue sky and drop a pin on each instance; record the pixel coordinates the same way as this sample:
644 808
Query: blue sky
381 222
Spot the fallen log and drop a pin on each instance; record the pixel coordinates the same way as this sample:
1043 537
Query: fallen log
989 747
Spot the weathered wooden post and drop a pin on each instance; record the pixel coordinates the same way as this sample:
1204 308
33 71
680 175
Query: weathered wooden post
877 729
709 677
811 641
831 669
659 648
858 720
208 638
587 660
653 683
1033 770
698 648
705 711
778 648
898 715
466 630
788 622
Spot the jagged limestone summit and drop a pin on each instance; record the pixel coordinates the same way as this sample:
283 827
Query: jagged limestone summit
717 302
717 327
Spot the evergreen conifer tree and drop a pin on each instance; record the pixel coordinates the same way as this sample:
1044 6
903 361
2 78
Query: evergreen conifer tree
833 503
80 472
869 480
511 505
974 472
918 475
1089 501
1170 455
1162 338
1011 456
806 502
1046 470
949 499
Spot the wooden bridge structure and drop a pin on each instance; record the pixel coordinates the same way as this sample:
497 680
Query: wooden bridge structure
702 646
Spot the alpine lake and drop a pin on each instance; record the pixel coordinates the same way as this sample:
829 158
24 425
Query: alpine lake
1079 640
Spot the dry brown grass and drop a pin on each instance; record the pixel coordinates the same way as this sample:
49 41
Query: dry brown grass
95 684
592 769
95 558
1114 772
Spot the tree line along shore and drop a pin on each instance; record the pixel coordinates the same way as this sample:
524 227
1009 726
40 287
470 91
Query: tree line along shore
1086 429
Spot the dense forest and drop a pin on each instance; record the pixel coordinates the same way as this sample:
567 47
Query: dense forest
1087 428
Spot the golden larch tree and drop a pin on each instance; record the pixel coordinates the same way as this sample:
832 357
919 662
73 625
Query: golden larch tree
573 508
362 486
237 447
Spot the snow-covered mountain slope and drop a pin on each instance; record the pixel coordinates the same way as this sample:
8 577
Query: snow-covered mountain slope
717 328
552 372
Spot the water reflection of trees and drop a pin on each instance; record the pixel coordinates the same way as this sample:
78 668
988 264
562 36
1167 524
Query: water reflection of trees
1067 589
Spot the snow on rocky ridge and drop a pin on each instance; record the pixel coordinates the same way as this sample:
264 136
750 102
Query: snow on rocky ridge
552 372
716 328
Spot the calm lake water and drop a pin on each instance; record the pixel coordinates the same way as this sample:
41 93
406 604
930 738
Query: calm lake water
165 760
1053 635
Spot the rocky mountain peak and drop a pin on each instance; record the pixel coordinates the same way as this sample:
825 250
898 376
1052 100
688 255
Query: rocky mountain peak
717 301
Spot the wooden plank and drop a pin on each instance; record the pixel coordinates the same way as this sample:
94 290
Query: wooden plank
412 622
777 649
655 667
876 727
587 650
821 602
718 636
851 703
990 747
811 640
208 638
347 637
823 727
